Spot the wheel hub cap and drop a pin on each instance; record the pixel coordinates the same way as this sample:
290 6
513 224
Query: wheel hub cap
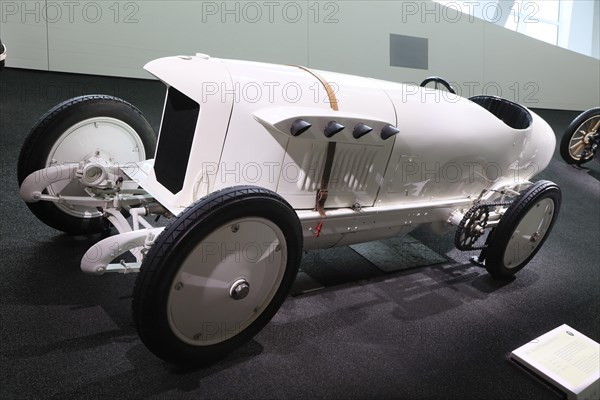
239 290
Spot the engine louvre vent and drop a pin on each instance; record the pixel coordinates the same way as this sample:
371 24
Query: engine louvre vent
352 168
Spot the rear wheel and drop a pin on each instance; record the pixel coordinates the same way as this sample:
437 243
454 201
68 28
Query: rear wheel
76 130
576 146
522 230
217 275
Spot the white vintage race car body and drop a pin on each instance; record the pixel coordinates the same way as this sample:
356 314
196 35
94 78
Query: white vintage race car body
356 159
453 143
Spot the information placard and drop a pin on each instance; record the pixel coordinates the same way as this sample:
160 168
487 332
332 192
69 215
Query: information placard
565 357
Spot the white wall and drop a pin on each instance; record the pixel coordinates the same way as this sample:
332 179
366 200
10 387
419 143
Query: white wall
24 32
583 16
117 38
596 31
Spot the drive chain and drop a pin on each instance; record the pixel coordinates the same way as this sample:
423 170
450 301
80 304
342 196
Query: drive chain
473 225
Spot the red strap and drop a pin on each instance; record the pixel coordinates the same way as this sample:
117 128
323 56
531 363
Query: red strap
318 229
323 191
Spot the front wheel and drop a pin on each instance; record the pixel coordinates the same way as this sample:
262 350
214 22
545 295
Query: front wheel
76 130
522 230
217 275
577 143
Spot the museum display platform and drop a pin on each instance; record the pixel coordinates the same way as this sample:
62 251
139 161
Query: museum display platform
355 326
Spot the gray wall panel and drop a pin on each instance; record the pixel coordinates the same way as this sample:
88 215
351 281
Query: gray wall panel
409 52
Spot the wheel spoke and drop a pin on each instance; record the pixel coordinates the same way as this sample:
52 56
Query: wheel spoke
579 142
577 138
577 148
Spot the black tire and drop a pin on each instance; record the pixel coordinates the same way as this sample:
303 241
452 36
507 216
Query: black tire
582 121
2 55
49 129
499 246
161 267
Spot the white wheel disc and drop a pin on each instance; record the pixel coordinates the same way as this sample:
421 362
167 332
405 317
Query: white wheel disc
529 233
105 137
201 308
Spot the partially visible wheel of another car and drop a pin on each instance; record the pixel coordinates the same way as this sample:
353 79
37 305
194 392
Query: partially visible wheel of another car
217 275
2 54
522 230
580 136
76 130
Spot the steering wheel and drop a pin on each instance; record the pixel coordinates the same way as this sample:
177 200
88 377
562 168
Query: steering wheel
438 81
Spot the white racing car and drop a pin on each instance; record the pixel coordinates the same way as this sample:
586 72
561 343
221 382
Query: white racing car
255 163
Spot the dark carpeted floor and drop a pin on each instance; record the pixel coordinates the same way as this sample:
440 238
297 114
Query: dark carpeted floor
440 331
